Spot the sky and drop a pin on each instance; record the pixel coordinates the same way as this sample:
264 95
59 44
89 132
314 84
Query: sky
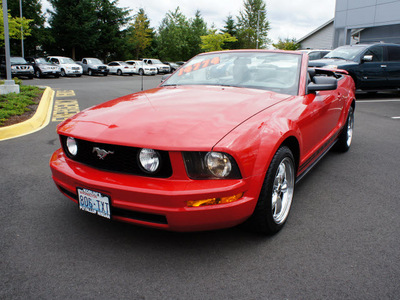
287 18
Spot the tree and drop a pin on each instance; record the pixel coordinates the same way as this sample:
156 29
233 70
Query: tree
198 28
254 13
173 42
14 26
287 44
31 9
215 42
230 28
140 33
87 27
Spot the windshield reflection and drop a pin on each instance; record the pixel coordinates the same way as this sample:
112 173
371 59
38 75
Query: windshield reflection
278 72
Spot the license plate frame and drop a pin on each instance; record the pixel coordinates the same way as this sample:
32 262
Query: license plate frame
94 202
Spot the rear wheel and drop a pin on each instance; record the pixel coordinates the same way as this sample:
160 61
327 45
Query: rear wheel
275 200
346 136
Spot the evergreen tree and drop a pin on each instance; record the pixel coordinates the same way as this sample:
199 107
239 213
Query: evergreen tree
140 33
198 28
230 28
254 13
86 27
173 42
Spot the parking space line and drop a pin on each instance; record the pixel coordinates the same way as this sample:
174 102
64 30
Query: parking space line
65 93
396 118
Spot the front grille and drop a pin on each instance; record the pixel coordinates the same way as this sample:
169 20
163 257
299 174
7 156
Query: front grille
120 159
102 67
75 68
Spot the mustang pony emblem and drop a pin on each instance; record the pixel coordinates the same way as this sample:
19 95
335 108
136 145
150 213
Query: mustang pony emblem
101 153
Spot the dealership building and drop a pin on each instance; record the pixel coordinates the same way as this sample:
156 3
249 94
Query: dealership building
357 21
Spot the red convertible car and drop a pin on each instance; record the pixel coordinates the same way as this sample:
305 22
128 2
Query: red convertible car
222 141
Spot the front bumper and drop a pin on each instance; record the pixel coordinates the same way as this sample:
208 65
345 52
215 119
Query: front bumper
73 72
156 202
100 71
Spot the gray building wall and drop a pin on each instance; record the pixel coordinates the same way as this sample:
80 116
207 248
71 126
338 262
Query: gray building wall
321 39
379 19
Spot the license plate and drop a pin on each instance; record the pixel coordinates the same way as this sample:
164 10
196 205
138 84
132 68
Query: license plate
94 202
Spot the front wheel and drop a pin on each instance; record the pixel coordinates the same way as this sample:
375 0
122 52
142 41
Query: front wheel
90 73
141 72
119 72
275 200
346 136
38 74
62 73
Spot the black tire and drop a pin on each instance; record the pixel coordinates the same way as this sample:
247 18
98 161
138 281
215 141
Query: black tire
346 136
141 72
57 76
38 74
63 73
78 75
90 73
105 74
274 202
119 72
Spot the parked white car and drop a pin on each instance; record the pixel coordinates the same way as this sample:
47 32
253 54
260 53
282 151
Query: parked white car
141 68
120 68
67 65
161 68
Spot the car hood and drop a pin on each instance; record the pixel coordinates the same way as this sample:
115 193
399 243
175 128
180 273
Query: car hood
330 61
170 118
70 65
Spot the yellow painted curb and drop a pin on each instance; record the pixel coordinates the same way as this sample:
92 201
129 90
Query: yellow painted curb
40 119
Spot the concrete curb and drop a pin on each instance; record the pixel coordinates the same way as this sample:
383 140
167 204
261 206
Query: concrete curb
39 120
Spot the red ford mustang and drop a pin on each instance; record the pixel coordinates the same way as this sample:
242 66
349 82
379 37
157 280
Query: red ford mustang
221 142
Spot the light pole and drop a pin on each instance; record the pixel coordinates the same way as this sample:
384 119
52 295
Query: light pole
22 28
258 24
9 85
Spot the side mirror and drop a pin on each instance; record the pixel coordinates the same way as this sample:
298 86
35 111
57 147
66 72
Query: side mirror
367 58
321 83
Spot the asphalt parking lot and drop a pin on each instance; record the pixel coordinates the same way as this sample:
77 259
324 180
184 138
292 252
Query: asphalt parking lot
341 241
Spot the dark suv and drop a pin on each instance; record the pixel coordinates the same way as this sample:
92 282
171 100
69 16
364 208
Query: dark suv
19 67
373 67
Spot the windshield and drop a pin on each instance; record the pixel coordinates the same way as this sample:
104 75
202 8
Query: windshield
94 61
345 52
66 60
156 61
42 61
278 72
17 60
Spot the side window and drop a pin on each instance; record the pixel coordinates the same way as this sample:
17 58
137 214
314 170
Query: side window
393 53
313 55
376 52
84 61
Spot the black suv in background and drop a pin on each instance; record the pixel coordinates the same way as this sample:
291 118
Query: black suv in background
373 67
19 67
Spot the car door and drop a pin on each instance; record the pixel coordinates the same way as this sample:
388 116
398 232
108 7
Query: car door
393 66
113 67
372 69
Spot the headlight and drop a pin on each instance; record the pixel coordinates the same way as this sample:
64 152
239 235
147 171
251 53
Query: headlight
72 146
211 165
218 164
149 160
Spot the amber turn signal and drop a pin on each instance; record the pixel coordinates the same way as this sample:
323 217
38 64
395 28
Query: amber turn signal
213 201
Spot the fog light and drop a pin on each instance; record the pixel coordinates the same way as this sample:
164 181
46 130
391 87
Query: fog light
213 201
72 146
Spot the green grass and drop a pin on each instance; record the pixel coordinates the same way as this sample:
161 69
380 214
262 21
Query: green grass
17 104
